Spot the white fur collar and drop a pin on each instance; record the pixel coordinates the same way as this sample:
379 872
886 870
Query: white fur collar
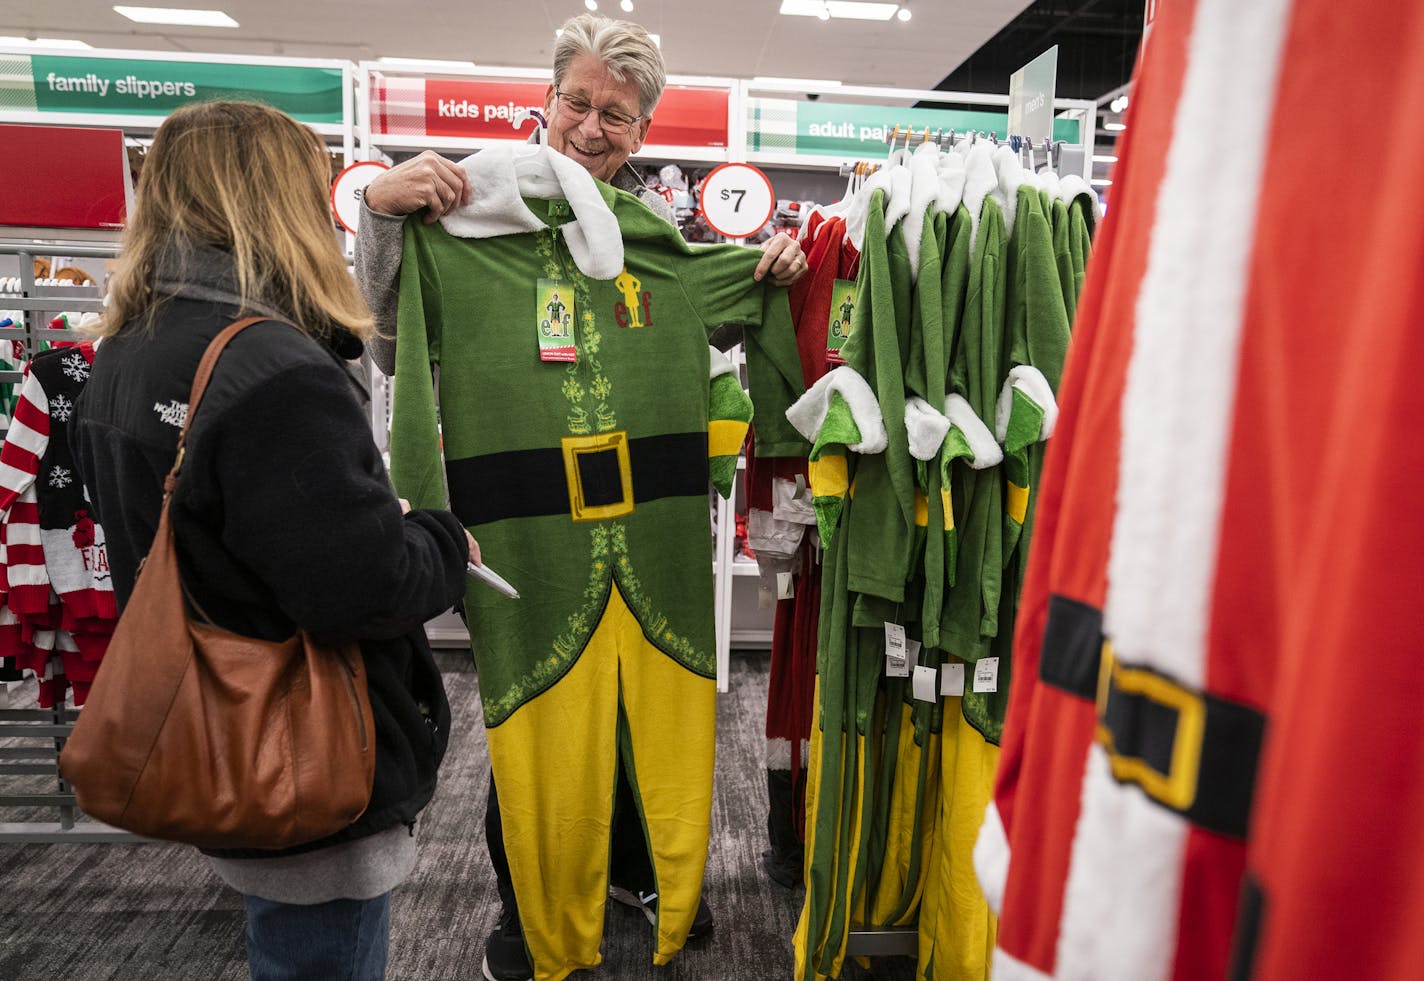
860 207
1029 380
951 182
1074 187
1011 175
501 175
925 427
898 205
1051 183
961 415
924 189
810 409
979 180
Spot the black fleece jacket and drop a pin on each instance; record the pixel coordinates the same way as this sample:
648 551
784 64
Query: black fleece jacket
283 516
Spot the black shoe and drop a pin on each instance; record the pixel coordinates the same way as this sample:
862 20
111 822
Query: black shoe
702 923
784 870
505 956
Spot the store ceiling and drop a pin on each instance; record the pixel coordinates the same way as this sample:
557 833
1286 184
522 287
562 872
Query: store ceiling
738 38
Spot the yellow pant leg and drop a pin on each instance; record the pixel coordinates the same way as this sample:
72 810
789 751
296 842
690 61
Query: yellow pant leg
671 717
553 762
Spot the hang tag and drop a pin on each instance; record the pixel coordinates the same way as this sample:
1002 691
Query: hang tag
838 326
554 320
785 588
897 661
986 674
923 687
951 679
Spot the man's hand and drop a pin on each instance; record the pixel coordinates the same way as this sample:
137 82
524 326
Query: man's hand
428 181
782 258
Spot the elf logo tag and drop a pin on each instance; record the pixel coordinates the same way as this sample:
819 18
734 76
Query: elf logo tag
636 300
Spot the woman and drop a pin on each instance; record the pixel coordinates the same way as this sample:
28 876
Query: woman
283 515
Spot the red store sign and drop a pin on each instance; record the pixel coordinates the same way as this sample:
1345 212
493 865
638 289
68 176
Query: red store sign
476 109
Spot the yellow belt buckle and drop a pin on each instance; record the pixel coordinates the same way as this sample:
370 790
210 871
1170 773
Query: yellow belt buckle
1177 788
573 447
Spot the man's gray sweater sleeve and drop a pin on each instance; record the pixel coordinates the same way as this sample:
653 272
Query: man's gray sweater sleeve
378 259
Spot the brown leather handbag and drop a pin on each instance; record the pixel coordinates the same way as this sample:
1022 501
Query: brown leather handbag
197 735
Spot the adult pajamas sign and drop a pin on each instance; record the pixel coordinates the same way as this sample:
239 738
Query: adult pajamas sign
845 130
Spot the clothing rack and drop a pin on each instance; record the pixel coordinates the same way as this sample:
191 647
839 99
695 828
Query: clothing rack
908 138
31 738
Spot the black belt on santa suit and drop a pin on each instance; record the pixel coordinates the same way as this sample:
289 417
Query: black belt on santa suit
1193 752
589 478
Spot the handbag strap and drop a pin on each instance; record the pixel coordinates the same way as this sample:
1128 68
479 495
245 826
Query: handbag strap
200 385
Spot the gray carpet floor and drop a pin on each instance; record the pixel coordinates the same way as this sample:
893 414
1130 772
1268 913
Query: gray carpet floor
138 912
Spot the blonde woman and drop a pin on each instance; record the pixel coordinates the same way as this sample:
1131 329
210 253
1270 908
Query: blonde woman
283 515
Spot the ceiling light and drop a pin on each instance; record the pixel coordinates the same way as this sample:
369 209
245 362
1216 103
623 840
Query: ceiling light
1118 104
424 63
795 82
42 42
591 4
1104 158
1100 182
825 9
626 6
1115 127
904 12
177 15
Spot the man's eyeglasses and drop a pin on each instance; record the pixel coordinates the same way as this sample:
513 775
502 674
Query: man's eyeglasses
613 120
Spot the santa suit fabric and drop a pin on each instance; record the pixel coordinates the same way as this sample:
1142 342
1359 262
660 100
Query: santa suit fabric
1217 329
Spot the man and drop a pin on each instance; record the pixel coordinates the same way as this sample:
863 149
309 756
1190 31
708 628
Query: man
608 77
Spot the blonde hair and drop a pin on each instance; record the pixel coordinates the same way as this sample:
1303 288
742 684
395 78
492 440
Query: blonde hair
624 47
251 181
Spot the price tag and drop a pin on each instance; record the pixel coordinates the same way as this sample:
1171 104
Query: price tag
951 679
897 661
737 200
349 188
986 674
785 588
923 687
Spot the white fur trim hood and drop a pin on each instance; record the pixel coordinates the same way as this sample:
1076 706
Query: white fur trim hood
499 178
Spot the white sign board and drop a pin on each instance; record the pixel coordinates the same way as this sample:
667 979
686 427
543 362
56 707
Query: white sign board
737 200
1031 91
348 189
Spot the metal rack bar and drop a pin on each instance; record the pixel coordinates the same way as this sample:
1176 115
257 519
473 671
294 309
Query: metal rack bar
883 943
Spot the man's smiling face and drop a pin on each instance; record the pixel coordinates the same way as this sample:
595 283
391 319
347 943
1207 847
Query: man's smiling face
585 139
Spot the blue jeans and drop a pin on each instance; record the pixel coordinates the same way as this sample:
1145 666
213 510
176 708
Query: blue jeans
343 940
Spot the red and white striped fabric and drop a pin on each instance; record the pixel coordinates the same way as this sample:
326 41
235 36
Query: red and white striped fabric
27 579
1228 533
398 105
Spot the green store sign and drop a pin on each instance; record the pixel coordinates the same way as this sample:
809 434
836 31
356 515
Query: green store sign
842 130
125 87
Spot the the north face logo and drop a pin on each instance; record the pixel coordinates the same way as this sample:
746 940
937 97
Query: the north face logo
175 413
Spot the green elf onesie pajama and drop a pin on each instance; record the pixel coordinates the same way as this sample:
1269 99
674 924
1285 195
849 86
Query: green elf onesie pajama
582 469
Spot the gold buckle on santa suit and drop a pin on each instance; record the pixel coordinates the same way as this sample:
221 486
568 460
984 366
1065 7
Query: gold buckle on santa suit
585 447
1130 704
